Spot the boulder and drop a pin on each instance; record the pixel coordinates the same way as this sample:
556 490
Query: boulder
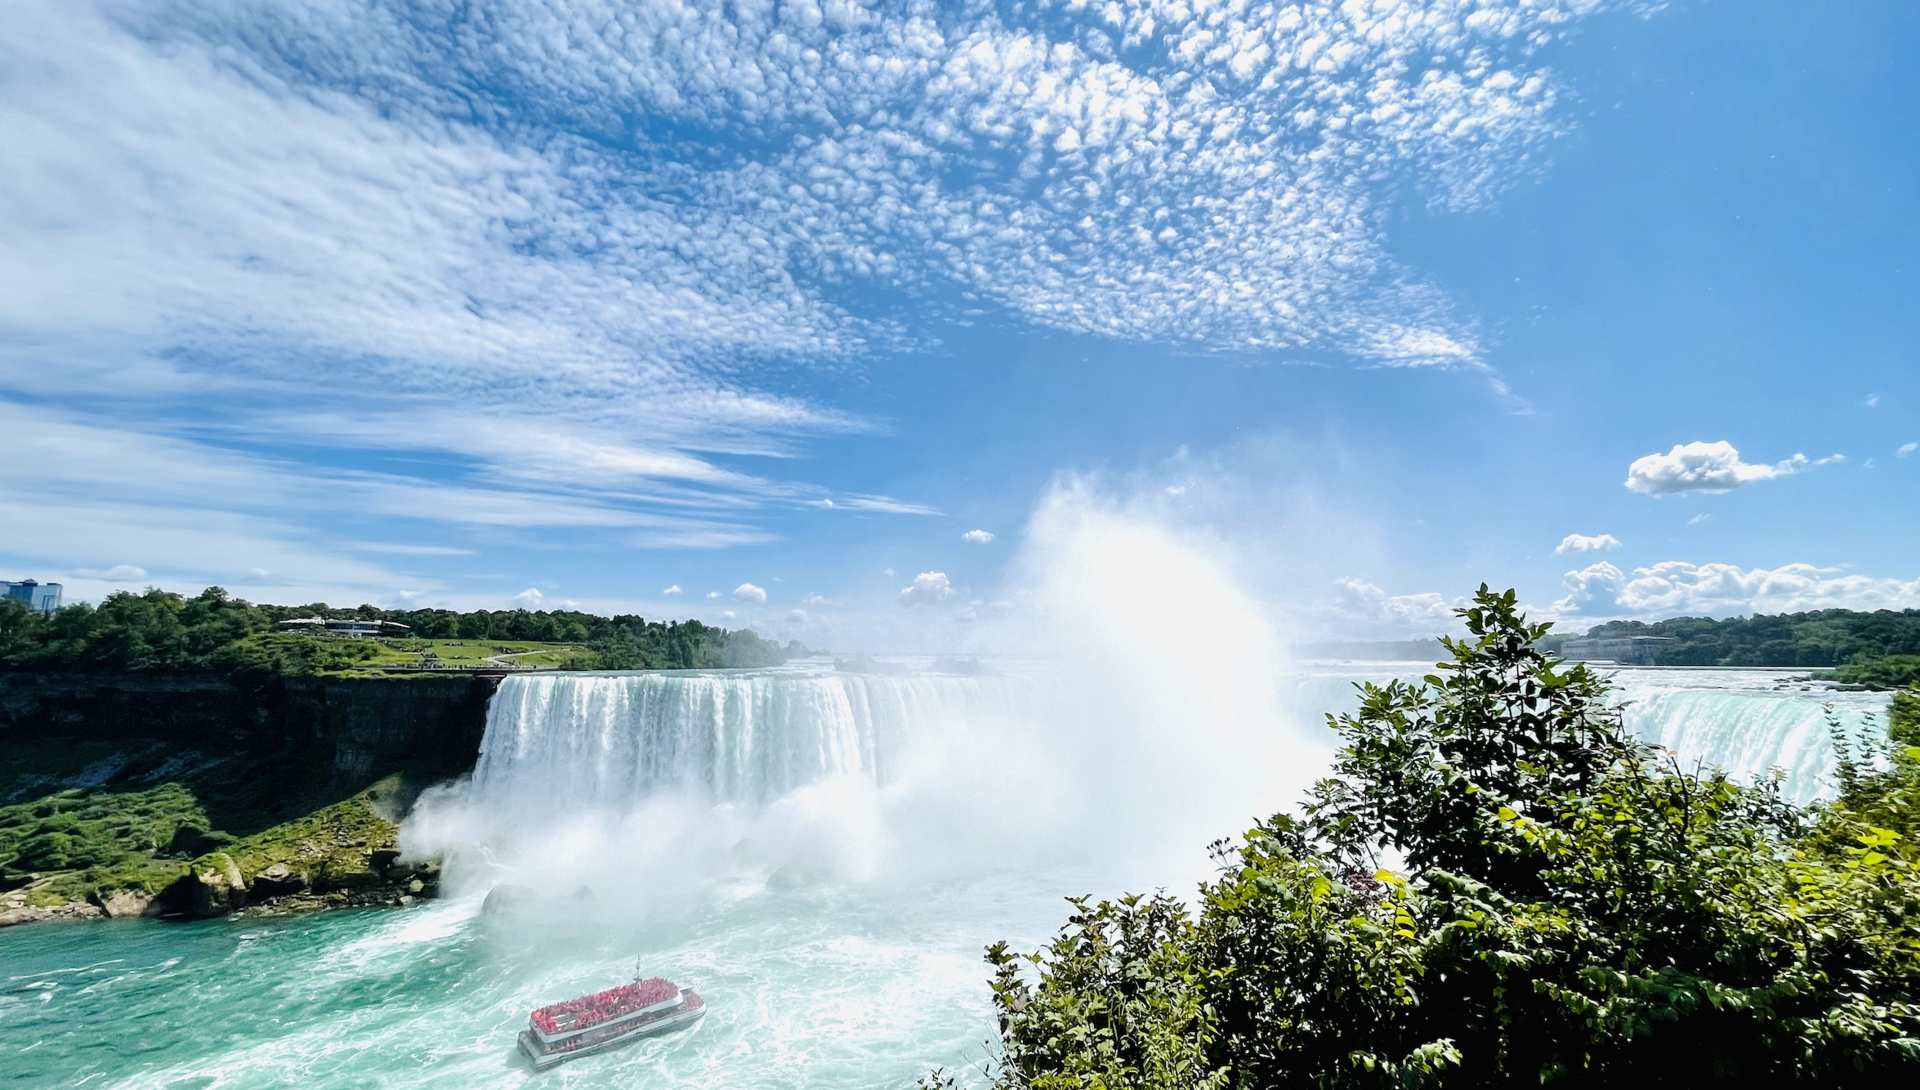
278 880
378 861
124 904
218 887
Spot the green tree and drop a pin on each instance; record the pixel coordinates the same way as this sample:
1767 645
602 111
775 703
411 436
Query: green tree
1573 910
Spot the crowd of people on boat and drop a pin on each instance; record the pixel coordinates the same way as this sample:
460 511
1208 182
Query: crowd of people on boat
591 1010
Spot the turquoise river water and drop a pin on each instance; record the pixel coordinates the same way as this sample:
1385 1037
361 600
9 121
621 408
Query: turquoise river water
822 855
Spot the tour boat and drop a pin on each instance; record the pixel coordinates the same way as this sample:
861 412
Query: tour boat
607 1020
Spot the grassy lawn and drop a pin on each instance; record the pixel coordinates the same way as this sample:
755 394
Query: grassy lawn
478 652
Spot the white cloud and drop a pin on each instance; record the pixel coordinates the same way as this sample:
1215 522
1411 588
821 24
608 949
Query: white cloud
1873 400
527 599
928 587
1676 588
813 600
1360 610
672 590
119 573
747 592
713 594
420 234
796 616
978 537
1581 543
1908 448
1214 187
1707 467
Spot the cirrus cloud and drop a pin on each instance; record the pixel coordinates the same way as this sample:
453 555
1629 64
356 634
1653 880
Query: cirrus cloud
119 573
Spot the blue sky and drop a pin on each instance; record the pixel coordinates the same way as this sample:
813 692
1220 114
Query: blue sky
475 304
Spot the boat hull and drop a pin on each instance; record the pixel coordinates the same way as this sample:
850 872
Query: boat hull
545 1056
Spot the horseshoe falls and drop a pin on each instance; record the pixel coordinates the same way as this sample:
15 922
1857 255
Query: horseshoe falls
822 854
1747 722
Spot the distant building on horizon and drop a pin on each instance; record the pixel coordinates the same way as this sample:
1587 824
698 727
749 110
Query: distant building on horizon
1625 650
44 597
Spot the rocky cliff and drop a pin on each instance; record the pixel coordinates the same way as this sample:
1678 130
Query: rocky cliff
191 795
355 728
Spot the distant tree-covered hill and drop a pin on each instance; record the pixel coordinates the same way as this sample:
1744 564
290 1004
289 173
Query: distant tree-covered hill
166 632
1828 637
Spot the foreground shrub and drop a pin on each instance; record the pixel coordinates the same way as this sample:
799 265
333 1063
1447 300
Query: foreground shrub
1498 887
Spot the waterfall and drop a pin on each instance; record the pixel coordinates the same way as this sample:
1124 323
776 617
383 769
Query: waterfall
1748 723
735 737
649 783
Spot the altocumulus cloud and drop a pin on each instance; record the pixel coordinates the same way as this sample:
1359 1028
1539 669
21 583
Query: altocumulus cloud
978 537
1707 467
562 240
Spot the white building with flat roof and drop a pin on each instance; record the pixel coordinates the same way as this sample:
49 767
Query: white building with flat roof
350 627
44 597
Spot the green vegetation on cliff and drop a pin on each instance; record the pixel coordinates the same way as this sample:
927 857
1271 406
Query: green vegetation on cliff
1499 887
68 845
87 846
158 631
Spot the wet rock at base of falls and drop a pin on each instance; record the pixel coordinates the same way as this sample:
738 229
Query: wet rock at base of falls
352 880
507 901
379 861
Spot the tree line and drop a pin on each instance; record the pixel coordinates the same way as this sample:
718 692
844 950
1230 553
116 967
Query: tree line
1822 638
161 631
